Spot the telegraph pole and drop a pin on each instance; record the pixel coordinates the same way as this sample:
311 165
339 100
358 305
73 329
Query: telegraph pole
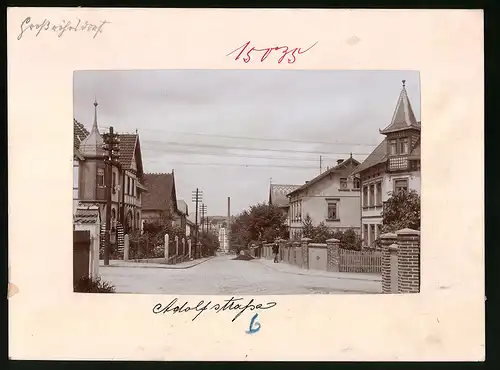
196 197
111 148
203 216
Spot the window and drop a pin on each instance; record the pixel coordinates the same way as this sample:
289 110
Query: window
403 146
332 211
365 196
372 233
343 183
392 147
379 194
379 230
365 233
114 180
125 187
357 183
400 185
372 195
100 177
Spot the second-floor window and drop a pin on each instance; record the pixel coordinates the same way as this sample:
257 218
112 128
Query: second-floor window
400 185
100 177
343 183
372 195
356 183
379 194
365 196
332 211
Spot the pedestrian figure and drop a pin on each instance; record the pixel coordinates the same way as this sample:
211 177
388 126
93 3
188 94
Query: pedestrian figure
276 250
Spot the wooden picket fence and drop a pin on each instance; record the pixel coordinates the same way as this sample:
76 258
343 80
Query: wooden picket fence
360 261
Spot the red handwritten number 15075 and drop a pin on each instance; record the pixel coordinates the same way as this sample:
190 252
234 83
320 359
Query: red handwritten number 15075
285 52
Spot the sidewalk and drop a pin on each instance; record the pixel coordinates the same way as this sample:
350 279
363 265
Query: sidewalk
287 268
155 263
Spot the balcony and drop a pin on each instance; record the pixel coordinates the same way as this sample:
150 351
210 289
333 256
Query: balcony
131 200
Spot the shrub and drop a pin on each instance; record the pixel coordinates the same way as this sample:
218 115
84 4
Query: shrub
89 285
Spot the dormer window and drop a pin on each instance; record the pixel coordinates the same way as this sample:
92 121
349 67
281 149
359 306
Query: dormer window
393 147
343 183
398 146
403 145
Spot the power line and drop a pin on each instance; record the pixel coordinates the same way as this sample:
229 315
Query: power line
229 155
253 138
193 145
242 165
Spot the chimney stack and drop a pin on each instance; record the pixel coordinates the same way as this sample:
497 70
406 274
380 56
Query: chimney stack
339 161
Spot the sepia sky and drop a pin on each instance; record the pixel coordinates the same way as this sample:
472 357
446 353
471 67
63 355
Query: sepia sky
228 132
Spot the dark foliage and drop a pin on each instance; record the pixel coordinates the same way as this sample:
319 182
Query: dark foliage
89 285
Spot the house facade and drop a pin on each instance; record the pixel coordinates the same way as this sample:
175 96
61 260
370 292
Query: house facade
89 185
79 133
333 198
393 166
161 199
278 197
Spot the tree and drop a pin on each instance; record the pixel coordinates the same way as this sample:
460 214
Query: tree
322 233
260 222
401 211
308 227
209 243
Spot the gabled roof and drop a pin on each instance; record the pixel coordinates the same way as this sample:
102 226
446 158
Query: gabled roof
379 155
182 207
278 194
403 117
79 133
86 216
325 174
161 192
130 145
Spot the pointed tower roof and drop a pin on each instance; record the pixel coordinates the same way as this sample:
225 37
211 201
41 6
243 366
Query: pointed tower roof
92 144
403 117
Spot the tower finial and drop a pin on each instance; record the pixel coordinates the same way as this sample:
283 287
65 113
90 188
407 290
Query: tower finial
404 83
95 113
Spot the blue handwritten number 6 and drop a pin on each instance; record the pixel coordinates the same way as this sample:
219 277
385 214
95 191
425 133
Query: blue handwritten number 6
252 329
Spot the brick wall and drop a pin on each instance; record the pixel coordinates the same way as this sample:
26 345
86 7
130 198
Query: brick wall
401 262
408 261
387 240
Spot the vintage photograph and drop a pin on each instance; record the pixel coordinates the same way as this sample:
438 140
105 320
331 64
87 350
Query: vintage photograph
238 182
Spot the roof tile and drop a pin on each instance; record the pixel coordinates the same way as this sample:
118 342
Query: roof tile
159 195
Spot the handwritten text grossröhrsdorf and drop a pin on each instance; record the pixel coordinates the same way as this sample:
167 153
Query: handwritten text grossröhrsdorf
77 25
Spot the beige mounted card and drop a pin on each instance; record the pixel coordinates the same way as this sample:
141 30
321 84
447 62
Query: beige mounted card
236 108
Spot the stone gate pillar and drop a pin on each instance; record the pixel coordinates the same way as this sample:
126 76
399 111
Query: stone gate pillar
166 246
333 255
305 252
408 261
126 247
389 263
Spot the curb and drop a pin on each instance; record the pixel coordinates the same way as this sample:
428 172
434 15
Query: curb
165 266
325 276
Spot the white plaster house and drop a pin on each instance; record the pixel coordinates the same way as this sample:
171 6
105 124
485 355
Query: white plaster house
88 218
333 197
394 165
